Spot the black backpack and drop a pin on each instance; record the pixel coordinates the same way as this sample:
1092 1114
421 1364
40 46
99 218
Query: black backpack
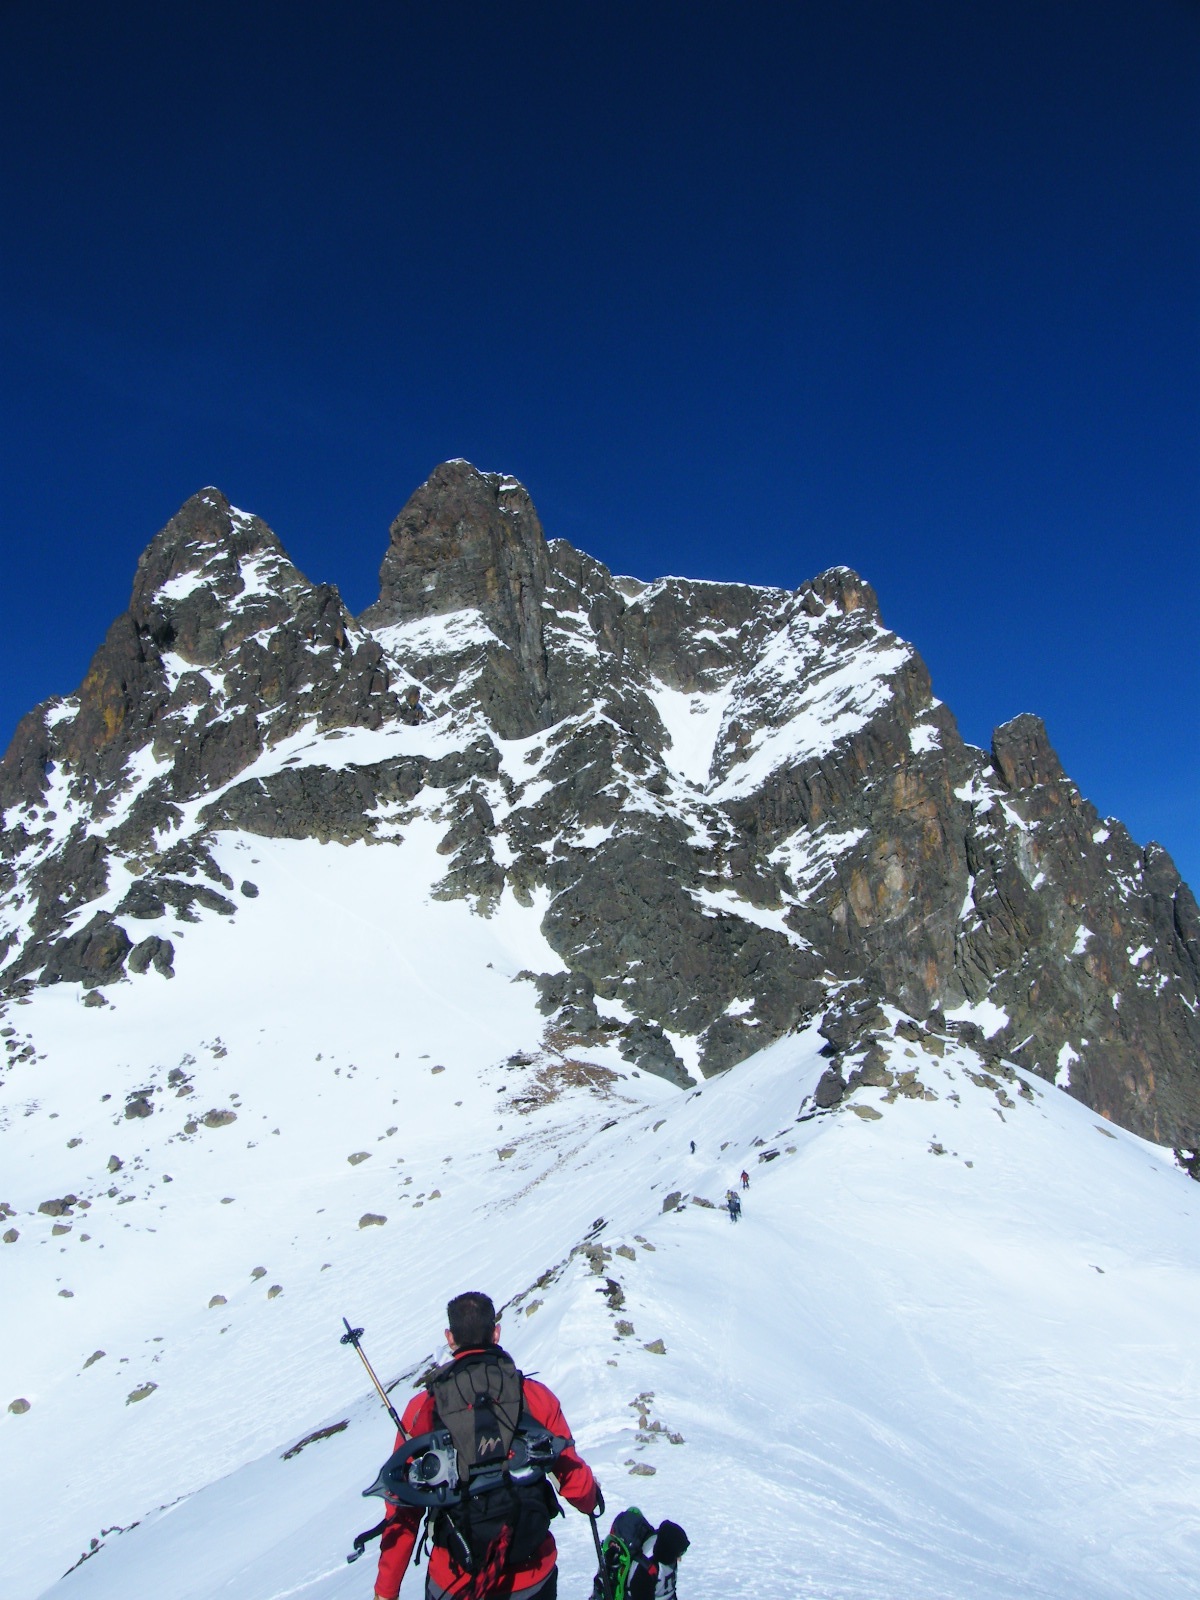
504 1505
639 1560
480 1473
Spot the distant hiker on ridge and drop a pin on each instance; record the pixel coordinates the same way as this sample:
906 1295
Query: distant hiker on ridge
745 1179
733 1201
496 1542
693 1146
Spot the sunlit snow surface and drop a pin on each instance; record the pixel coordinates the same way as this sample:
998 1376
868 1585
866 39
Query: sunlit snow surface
901 1375
694 723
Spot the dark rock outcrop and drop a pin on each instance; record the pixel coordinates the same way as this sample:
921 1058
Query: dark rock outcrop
468 540
95 955
737 808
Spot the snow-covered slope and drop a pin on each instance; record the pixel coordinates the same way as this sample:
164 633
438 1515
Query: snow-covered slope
948 1351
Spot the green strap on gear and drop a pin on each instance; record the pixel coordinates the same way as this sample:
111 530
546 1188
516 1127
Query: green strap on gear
620 1553
618 1564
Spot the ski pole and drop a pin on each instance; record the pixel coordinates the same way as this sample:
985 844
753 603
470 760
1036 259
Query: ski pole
605 1590
353 1336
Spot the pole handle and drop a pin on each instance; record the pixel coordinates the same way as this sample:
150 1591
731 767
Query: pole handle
352 1336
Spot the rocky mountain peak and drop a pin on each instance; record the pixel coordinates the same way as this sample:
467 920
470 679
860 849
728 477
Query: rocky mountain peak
1023 755
205 543
470 541
842 587
725 809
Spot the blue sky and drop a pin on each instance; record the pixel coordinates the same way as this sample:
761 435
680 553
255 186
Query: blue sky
740 292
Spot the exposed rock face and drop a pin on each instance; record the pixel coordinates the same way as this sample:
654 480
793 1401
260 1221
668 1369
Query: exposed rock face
468 540
736 808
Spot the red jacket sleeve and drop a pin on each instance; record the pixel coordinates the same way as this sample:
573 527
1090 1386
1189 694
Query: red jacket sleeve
575 1480
400 1535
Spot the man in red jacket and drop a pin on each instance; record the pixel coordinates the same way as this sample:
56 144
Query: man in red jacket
507 1566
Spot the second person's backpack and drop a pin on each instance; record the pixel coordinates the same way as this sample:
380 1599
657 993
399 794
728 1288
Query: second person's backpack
640 1561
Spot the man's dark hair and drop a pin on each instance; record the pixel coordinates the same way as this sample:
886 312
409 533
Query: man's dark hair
472 1320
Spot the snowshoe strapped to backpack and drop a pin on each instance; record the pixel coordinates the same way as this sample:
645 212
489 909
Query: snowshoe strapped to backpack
481 1471
505 1507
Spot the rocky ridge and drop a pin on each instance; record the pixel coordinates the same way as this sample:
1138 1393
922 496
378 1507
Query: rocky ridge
731 809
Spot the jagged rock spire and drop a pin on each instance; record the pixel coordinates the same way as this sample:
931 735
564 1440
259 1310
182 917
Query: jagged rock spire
472 540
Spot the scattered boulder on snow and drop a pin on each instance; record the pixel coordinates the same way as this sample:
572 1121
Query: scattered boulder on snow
359 1155
613 1294
18 1407
218 1119
274 1291
872 1073
259 1272
830 1089
371 1219
250 890
11 1236
96 1355
138 1105
153 951
594 1254
93 956
217 1300
142 1392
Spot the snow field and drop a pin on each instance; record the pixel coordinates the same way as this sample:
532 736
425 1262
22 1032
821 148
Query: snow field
901 1374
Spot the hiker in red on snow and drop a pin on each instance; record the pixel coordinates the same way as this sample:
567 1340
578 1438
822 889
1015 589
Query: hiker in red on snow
498 1544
